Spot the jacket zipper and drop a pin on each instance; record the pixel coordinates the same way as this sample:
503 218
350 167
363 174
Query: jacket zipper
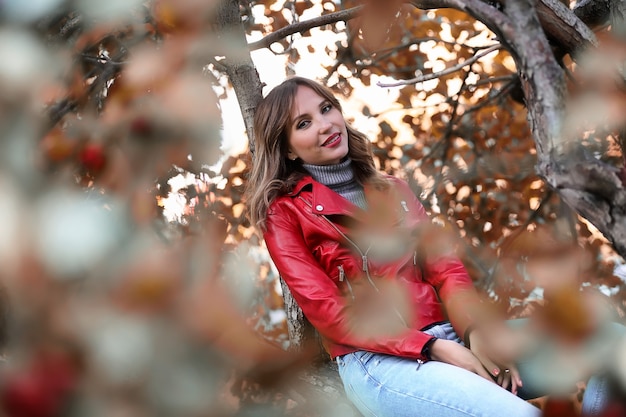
364 259
342 277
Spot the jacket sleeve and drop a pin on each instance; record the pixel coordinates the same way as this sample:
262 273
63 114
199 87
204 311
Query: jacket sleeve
446 272
457 292
319 297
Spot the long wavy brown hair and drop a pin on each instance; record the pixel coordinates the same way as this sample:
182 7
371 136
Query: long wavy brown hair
273 173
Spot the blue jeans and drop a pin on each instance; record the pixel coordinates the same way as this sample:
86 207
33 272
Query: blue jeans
389 386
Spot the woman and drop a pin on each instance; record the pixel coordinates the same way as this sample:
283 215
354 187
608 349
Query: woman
345 238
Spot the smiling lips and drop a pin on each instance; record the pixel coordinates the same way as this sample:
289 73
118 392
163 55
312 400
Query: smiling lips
332 141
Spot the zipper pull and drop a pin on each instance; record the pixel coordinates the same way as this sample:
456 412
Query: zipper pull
414 258
342 273
364 258
404 206
419 363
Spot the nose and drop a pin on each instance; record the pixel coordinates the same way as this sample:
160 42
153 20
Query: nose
324 125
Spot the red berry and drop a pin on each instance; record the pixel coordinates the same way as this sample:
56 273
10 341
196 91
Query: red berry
39 390
26 395
93 158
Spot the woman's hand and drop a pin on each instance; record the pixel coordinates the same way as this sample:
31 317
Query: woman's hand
509 377
497 352
451 352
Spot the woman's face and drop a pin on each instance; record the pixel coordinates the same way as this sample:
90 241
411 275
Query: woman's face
318 134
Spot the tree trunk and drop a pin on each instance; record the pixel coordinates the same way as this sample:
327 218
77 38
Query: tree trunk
591 187
239 66
322 377
301 332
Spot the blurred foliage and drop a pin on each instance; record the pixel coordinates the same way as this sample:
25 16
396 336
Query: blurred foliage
110 108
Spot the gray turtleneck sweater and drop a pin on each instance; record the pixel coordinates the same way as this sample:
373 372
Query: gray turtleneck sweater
339 178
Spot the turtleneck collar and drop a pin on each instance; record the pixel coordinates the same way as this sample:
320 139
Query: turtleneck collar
341 179
332 175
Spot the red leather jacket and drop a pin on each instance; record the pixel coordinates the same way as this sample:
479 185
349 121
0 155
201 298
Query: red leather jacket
355 300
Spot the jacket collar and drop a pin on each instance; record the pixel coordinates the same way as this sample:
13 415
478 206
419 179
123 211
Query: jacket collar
324 200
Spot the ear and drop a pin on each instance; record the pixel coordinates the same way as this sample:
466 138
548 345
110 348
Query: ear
292 156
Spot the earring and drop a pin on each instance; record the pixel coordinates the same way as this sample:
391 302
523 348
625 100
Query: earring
293 158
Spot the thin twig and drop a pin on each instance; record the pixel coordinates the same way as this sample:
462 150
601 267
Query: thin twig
447 71
101 59
445 141
493 80
498 95
387 52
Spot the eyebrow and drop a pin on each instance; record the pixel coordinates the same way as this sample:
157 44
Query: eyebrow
322 103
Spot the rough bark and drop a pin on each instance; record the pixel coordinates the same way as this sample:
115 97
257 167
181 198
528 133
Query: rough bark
300 330
239 67
593 12
564 28
322 393
322 376
591 187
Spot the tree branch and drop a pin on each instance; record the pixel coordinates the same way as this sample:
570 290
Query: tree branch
490 16
567 28
487 14
593 13
543 80
447 71
563 27
299 27
594 190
